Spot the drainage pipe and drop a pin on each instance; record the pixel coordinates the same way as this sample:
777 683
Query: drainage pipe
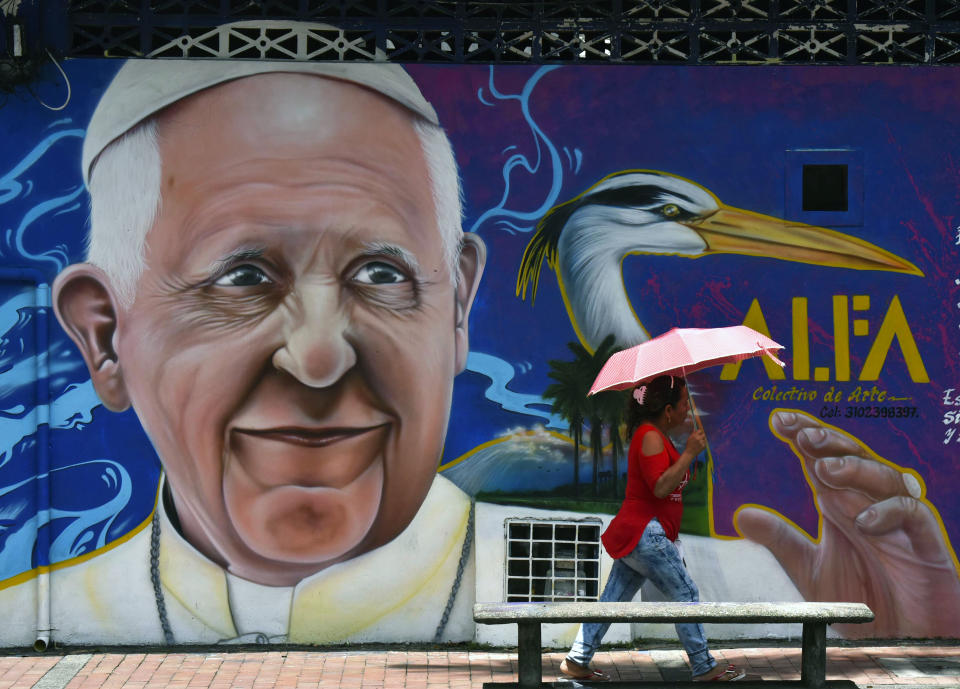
42 314
42 410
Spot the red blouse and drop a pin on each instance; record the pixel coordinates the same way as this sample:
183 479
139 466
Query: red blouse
640 504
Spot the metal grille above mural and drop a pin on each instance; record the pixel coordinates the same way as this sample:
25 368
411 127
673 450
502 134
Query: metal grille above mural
459 31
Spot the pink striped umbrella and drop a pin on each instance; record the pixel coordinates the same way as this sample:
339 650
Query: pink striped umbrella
681 351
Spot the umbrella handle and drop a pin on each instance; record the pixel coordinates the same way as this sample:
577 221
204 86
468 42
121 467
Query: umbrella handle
698 422
693 410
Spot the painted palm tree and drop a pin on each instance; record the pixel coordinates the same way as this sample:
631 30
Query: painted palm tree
599 406
568 395
569 399
611 409
595 424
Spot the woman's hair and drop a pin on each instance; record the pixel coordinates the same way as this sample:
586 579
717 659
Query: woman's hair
647 401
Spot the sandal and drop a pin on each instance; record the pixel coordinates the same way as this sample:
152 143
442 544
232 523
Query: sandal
729 674
581 672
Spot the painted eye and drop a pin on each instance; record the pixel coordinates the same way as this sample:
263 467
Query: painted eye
244 276
671 210
379 273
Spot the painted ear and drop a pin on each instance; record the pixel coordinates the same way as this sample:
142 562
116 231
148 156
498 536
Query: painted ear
85 305
473 257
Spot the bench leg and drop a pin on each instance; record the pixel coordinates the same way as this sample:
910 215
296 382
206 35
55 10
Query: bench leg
813 659
528 655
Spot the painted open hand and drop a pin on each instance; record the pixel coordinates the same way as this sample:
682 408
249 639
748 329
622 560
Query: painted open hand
881 542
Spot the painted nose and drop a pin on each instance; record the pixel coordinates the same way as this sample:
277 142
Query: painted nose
317 351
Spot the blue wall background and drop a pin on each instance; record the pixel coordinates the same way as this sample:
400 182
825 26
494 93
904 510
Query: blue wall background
527 139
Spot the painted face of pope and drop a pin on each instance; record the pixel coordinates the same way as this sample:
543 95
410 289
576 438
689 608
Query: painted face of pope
292 338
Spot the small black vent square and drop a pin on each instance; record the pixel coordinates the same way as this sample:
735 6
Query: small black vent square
825 188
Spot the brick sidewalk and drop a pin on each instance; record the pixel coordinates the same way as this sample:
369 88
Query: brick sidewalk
930 666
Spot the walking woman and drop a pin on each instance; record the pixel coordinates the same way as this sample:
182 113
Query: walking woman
641 537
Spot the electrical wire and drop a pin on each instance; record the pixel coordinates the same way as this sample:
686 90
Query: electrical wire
66 79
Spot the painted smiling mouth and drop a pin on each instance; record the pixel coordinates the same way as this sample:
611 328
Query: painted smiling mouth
310 437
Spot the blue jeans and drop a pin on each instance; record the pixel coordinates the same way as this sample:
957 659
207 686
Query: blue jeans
655 558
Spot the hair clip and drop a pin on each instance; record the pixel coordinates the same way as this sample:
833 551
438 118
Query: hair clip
639 394
671 382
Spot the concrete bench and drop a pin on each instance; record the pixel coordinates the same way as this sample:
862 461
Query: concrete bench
814 616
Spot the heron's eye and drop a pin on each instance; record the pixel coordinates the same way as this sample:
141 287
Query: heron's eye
671 210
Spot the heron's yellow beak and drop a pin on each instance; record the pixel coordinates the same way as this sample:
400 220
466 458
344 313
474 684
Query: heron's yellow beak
735 231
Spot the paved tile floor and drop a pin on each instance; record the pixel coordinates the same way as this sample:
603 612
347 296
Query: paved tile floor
868 666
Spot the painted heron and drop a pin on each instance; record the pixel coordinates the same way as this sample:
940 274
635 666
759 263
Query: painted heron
586 239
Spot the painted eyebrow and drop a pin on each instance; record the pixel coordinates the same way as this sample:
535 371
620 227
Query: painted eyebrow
235 256
409 261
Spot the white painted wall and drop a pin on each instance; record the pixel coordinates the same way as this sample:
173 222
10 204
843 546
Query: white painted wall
732 570
491 577
18 615
724 570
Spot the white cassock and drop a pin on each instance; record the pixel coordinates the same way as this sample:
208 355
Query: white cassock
397 592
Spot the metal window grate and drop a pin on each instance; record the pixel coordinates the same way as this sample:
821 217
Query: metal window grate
552 560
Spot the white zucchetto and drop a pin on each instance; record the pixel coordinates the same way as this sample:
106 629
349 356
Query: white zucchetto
143 87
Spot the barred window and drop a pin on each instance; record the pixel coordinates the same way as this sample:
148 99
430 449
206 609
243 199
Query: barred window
552 560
